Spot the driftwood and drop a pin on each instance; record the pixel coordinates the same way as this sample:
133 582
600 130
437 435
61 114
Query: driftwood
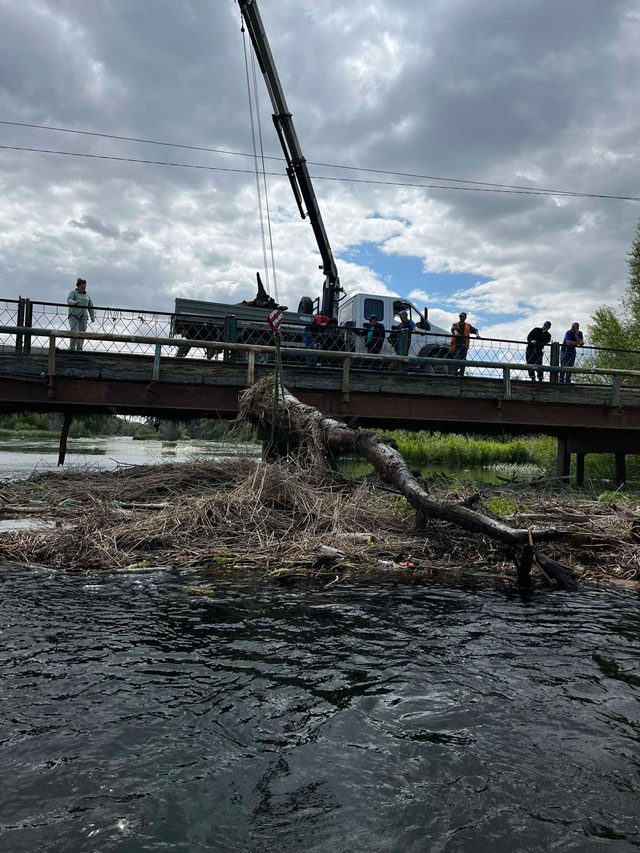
554 570
330 437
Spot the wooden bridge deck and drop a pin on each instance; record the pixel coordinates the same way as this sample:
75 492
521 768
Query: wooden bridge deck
187 388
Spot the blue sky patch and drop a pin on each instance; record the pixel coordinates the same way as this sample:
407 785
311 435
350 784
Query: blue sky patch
404 273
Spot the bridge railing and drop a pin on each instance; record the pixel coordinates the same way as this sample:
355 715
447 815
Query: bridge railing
249 354
204 332
11 315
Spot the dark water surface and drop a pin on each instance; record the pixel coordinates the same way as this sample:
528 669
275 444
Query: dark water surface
138 715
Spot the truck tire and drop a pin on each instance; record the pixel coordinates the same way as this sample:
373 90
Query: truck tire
305 306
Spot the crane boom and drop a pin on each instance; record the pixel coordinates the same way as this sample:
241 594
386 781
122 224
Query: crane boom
296 164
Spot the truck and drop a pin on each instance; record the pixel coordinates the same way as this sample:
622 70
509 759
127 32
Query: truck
247 322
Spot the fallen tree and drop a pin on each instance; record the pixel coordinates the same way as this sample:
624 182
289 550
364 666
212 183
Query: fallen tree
317 435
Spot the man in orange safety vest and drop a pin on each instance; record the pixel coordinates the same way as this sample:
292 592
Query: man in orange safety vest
460 333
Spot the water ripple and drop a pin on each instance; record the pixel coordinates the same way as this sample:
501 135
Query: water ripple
137 715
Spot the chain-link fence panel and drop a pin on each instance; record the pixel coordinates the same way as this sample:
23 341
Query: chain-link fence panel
206 336
8 317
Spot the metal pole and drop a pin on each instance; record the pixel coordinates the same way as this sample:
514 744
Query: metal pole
20 321
28 321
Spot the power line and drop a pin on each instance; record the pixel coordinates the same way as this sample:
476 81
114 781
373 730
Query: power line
321 177
547 190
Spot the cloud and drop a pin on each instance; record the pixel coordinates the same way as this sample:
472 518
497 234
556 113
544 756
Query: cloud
538 94
106 229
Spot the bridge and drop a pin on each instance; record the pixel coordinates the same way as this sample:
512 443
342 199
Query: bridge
142 374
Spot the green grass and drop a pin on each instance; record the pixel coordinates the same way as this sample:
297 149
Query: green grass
500 505
470 451
28 433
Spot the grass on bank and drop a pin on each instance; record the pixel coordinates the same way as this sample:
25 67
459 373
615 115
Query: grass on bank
471 451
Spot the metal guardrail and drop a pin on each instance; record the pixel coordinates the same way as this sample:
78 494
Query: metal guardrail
485 358
252 351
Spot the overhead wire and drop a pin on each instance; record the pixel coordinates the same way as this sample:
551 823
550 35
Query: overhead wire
256 96
524 187
199 166
255 159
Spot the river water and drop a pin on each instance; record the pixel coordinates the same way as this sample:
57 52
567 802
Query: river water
170 710
21 457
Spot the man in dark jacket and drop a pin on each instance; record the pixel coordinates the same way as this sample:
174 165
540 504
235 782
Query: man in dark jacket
374 335
537 339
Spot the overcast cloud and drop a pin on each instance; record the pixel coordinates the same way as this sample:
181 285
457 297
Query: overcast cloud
537 93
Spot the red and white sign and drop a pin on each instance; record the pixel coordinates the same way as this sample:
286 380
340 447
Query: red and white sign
274 318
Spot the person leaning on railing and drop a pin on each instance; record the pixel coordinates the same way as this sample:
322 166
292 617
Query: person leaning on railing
80 310
537 339
572 339
374 335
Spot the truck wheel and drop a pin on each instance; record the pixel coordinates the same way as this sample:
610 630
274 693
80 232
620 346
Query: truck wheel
305 306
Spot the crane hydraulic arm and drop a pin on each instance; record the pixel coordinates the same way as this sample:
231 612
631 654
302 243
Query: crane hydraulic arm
296 164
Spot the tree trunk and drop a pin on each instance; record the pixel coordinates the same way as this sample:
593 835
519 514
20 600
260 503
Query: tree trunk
330 437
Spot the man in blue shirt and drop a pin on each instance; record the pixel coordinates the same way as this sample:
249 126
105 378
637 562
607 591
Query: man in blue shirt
572 339
394 337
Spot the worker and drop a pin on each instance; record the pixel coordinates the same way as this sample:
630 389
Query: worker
459 347
537 339
315 336
374 335
80 312
401 342
572 340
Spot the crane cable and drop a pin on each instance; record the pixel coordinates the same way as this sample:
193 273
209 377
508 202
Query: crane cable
255 157
264 172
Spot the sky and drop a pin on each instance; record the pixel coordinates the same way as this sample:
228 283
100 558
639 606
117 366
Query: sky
536 93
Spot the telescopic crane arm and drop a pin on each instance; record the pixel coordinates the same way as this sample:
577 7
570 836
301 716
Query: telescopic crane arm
296 163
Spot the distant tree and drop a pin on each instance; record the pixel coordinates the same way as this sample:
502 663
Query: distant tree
620 329
631 299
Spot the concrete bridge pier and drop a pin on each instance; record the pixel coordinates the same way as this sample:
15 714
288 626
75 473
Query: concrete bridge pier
169 430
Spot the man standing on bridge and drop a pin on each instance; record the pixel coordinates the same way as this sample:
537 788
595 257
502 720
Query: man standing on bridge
459 347
80 310
537 339
572 339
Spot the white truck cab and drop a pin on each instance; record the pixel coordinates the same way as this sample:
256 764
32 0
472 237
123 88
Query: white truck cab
427 341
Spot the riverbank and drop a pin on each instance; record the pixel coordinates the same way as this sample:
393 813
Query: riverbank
274 520
459 450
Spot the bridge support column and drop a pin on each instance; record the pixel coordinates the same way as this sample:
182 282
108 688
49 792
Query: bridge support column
55 421
620 469
563 459
276 448
64 435
580 469
169 430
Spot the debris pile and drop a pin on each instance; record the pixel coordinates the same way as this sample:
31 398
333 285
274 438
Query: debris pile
285 521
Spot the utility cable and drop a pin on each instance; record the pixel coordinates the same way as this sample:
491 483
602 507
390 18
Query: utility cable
264 174
550 193
255 158
547 190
